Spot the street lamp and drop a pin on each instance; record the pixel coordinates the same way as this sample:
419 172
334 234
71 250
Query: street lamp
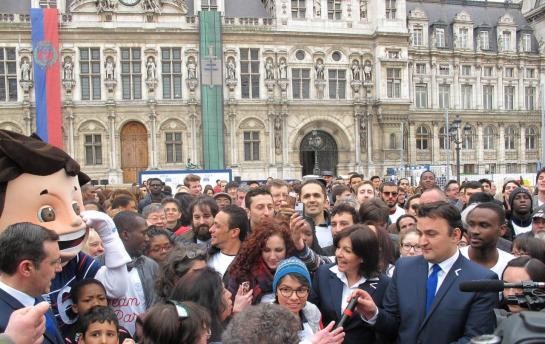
454 135
316 142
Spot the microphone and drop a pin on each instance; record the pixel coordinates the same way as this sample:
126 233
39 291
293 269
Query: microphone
497 285
348 312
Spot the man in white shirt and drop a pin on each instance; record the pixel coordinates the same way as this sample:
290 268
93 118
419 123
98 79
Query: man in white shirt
230 228
388 193
486 223
313 196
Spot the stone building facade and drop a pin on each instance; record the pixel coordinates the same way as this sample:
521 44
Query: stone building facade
332 84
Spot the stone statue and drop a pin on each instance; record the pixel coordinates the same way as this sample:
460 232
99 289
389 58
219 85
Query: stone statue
283 69
363 132
25 70
231 69
110 66
191 68
455 41
355 70
317 8
278 133
363 9
319 69
151 68
433 40
541 45
269 69
106 5
68 69
151 5
500 45
367 71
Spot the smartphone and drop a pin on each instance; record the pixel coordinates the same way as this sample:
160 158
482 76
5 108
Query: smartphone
300 208
245 287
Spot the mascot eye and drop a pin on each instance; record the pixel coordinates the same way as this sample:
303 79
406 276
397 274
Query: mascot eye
76 208
46 214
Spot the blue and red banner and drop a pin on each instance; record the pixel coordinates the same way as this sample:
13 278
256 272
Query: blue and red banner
47 87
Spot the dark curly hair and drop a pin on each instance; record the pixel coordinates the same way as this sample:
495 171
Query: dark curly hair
250 251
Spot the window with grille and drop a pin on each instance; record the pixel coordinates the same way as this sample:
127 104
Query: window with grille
93 149
466 70
508 72
393 82
171 72
531 138
443 139
530 97
334 10
249 73
300 81
418 36
298 8
89 64
463 32
508 97
391 9
422 138
510 138
489 138
420 68
337 83
506 40
444 96
530 73
527 42
487 71
440 38
484 40
488 96
8 75
251 145
131 73
468 139
421 94
47 3
173 147
209 5
467 96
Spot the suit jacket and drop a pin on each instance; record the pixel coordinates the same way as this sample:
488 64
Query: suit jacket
326 293
8 304
455 316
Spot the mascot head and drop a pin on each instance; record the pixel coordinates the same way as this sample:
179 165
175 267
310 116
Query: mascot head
40 183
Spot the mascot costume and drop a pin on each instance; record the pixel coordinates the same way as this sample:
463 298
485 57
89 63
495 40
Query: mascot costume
40 183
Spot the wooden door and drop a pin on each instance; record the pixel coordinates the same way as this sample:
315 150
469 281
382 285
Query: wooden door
134 151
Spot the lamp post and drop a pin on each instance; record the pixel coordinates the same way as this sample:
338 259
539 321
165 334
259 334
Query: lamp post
316 142
454 135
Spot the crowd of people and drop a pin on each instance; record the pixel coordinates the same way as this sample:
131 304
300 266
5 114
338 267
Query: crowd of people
279 262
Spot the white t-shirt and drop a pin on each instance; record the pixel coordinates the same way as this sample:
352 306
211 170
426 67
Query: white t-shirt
519 230
397 214
220 262
324 236
127 308
503 259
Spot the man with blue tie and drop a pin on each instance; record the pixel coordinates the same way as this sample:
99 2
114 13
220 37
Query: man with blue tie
29 260
423 303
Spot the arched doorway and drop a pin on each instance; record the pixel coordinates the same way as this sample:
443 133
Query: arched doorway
134 151
318 152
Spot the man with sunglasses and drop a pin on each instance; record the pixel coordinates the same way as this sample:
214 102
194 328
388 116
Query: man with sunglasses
388 193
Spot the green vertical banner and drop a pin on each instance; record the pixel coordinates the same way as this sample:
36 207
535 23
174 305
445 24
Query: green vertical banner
211 63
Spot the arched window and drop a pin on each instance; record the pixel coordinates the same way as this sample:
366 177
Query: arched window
510 138
393 141
468 137
422 137
489 141
531 138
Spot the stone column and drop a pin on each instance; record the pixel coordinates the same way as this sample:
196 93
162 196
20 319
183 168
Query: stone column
522 146
479 148
501 149
457 101
500 101
71 134
478 89
193 119
153 125
434 89
113 147
435 155
521 97
233 138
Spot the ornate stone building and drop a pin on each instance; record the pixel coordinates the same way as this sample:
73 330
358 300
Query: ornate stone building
351 85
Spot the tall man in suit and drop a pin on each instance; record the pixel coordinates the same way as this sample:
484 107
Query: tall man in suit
423 303
29 259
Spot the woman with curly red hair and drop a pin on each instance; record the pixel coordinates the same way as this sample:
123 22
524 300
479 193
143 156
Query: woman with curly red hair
255 264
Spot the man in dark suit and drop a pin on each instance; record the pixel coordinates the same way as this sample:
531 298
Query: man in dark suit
29 260
423 303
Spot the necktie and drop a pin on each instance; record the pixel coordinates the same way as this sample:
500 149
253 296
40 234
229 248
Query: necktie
50 326
431 286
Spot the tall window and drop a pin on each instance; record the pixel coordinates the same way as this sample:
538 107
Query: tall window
393 141
251 145
93 149
300 83
467 96
391 9
506 40
171 62
298 8
466 70
469 139
337 83
173 146
488 92
393 82
422 138
484 41
530 97
489 138
508 97
421 93
487 71
131 73
464 37
418 36
48 3
510 138
508 72
209 5
249 73
530 73
334 10
443 138
89 59
420 68
527 42
440 37
531 138
511 168
444 96
8 75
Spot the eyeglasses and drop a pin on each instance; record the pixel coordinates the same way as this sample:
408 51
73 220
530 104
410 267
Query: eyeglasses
288 292
389 193
180 309
407 247
157 249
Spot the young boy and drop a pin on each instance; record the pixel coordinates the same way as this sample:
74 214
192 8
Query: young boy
99 326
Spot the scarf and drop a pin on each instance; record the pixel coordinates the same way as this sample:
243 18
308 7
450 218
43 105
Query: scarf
262 281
